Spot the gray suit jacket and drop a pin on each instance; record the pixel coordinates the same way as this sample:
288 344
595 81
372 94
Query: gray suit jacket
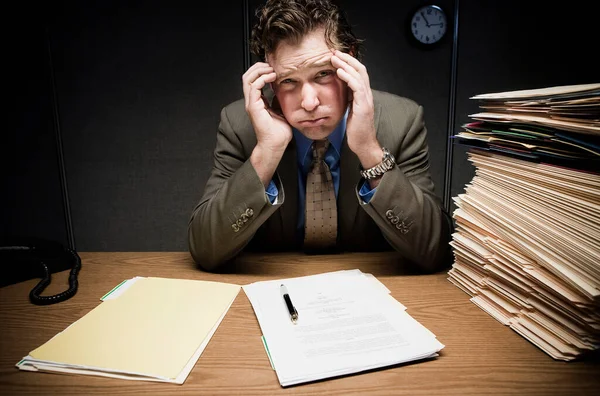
234 212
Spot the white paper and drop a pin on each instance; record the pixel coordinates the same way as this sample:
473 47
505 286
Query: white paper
347 323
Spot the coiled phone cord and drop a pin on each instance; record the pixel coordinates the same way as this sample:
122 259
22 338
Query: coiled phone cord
34 295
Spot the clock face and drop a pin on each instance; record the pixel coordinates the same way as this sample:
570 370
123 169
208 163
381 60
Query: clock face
428 25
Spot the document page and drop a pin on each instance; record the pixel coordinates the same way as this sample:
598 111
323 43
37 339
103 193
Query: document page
347 323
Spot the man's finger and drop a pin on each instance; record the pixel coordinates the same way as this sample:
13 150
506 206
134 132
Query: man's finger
253 73
355 85
355 63
255 88
340 64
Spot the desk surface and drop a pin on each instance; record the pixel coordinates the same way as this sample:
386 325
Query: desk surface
481 356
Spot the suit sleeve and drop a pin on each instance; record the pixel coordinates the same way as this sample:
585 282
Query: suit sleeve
234 204
404 206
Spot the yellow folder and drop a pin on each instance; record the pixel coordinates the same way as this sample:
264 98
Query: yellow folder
151 331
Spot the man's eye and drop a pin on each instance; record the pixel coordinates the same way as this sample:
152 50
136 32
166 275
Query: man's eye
324 73
286 81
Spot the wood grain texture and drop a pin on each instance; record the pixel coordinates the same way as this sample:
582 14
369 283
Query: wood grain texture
481 356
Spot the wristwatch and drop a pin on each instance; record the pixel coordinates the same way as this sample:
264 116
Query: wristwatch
385 165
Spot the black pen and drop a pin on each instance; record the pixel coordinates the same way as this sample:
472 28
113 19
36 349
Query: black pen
288 303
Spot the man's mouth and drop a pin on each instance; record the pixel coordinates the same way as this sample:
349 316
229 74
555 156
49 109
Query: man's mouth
313 121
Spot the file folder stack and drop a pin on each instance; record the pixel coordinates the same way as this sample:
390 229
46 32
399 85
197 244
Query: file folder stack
527 240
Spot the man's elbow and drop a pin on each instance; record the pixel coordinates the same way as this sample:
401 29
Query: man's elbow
205 262
204 255
442 256
442 261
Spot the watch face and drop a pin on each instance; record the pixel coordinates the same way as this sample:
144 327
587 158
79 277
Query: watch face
428 24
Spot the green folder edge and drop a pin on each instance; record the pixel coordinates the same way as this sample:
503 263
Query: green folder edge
264 341
114 289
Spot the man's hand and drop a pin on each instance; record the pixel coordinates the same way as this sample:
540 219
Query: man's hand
272 130
360 126
273 133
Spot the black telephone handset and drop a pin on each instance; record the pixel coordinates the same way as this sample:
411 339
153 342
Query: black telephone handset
23 258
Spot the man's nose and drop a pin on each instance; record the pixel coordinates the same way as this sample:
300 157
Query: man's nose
310 99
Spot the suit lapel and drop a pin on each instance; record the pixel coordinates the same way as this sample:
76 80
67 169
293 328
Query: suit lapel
349 177
288 173
348 206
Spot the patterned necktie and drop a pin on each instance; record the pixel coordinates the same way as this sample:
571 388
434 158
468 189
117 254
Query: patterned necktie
321 209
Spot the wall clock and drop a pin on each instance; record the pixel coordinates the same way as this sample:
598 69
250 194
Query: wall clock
428 24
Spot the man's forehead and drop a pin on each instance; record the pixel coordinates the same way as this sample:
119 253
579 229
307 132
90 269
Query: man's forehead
310 51
285 65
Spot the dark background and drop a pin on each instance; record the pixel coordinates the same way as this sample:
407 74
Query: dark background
114 105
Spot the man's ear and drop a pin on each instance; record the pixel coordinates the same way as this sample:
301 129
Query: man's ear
269 95
276 106
352 51
268 91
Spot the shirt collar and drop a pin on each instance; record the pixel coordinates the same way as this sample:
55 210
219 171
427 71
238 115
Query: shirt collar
335 138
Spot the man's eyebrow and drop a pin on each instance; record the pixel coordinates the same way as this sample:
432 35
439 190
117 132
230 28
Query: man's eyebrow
315 65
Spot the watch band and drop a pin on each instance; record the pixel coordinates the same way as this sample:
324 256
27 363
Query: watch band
387 163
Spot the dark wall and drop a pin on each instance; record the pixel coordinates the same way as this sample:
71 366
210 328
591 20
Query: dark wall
31 197
139 86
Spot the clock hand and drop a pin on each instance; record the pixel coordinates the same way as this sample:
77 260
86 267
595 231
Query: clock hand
435 24
425 19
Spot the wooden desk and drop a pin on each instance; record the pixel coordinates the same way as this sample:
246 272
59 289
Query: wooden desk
481 355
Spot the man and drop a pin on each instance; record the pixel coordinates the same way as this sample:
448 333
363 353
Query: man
255 198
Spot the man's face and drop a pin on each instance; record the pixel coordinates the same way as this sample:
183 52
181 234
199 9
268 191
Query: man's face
312 97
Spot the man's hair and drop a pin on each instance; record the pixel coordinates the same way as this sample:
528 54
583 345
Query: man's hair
291 20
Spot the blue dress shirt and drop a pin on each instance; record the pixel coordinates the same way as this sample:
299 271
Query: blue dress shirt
332 159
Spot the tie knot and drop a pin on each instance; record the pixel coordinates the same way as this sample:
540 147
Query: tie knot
319 149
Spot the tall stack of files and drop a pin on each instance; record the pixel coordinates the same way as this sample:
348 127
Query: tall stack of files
148 329
527 238
347 323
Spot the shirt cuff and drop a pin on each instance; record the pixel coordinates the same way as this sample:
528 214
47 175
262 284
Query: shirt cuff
365 192
272 192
